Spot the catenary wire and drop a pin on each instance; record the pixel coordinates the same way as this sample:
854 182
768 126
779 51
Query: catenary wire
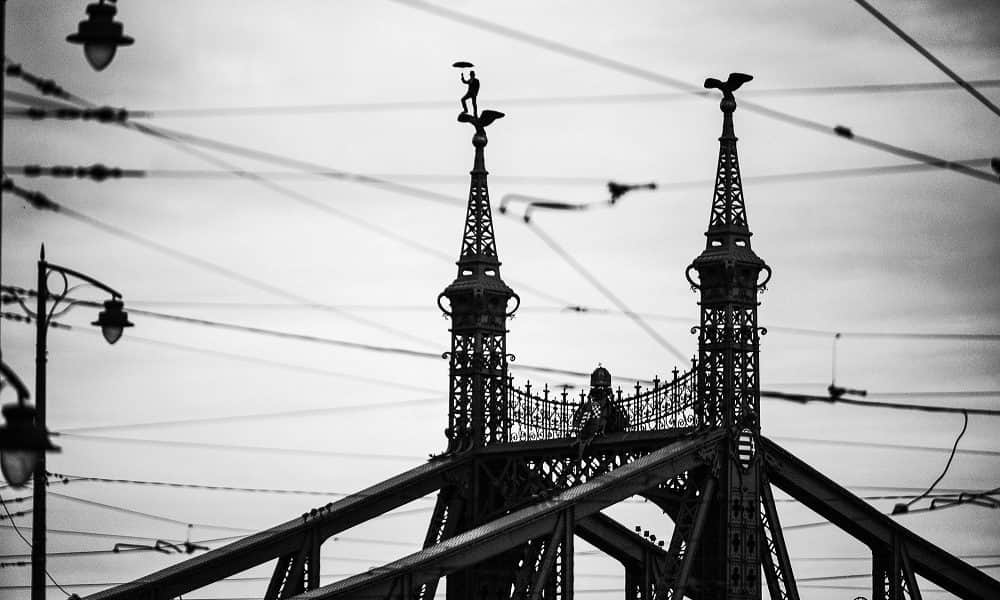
807 398
857 575
66 478
578 309
42 202
673 82
333 342
799 398
102 173
173 136
121 536
880 446
961 501
384 184
168 134
302 412
147 515
352 107
184 141
240 448
951 457
25 540
607 293
926 54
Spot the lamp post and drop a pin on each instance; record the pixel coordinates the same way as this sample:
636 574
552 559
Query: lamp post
112 320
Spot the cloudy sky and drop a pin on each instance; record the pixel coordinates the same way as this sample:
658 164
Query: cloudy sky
367 88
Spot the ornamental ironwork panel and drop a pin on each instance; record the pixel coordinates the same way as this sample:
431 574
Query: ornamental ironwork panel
547 415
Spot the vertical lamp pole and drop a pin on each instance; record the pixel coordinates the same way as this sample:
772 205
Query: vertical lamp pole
112 320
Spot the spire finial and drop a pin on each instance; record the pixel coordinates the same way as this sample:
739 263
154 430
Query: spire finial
728 104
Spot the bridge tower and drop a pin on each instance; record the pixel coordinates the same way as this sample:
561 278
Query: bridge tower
478 307
728 360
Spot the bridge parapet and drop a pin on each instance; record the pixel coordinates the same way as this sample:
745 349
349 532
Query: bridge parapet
546 414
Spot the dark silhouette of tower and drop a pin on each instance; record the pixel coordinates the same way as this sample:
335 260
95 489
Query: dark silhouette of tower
728 360
478 306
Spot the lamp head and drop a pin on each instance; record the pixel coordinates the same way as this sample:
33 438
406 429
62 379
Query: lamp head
113 320
21 443
100 35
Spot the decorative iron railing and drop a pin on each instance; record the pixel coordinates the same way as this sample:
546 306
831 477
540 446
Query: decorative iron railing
549 415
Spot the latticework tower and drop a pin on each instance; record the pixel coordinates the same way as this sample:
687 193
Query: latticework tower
478 306
728 360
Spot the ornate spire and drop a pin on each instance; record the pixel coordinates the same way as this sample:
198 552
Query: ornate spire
477 305
728 367
479 248
728 209
728 234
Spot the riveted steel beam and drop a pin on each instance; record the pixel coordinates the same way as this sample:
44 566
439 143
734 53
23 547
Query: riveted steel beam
478 544
289 537
858 518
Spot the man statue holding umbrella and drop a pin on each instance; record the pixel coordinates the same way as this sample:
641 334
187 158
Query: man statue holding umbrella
473 90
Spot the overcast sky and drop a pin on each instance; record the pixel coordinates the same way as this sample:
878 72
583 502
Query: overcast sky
904 252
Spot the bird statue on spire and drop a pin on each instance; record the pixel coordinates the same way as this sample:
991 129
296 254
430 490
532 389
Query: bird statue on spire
727 88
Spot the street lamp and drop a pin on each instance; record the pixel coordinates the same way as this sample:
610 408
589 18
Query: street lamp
21 441
100 34
112 320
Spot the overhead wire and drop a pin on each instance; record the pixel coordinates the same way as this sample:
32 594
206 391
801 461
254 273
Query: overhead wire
963 500
799 398
336 342
98 172
260 155
857 575
926 54
71 478
675 83
806 398
880 446
579 309
146 515
184 141
354 107
951 457
120 536
43 202
240 448
605 291
25 540
65 478
215 420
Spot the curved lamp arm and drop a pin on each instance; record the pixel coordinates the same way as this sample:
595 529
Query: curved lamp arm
47 266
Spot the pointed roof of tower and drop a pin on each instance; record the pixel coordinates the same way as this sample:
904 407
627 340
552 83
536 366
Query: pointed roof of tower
728 234
729 213
478 261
